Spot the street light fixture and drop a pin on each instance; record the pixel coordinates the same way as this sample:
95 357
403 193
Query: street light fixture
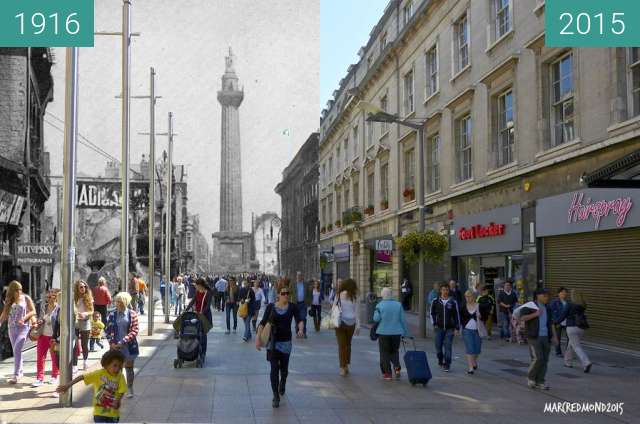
375 114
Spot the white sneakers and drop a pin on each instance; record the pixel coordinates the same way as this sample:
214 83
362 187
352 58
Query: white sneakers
37 383
130 392
84 365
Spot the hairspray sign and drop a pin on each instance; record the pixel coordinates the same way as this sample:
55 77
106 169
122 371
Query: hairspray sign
594 209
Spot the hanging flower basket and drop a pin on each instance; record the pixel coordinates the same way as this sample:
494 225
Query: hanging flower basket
429 246
409 193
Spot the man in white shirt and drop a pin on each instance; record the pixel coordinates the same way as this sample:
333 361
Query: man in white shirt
221 287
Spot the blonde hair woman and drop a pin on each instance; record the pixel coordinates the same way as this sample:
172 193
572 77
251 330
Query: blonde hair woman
122 334
19 312
470 318
83 308
576 326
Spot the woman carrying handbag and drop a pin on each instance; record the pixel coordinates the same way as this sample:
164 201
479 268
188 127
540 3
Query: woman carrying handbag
20 313
345 318
122 333
45 339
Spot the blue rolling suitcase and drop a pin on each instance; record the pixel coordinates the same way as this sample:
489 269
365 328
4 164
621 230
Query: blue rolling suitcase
417 365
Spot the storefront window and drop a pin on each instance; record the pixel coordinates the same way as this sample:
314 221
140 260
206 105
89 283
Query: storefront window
381 271
468 269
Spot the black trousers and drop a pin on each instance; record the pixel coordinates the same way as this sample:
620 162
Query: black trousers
317 316
279 369
559 330
389 353
84 342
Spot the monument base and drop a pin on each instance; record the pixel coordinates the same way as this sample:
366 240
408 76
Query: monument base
232 252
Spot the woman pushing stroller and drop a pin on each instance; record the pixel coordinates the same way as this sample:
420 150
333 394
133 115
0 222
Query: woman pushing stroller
201 304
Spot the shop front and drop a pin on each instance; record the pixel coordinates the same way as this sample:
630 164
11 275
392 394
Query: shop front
487 249
326 269
381 260
590 240
342 258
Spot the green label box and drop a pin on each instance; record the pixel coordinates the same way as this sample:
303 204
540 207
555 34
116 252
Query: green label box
46 23
592 23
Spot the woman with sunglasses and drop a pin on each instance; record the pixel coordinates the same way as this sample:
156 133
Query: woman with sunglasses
280 314
45 341
19 312
83 306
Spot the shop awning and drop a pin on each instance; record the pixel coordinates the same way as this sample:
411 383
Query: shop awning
621 173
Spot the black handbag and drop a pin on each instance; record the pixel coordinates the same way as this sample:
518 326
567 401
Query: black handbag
373 332
581 321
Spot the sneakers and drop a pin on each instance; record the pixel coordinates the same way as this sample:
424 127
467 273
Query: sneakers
37 383
543 386
275 402
130 392
343 372
587 368
446 368
13 380
397 370
386 376
532 384
51 380
470 372
84 365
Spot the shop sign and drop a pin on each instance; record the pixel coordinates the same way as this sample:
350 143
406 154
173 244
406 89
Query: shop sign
341 252
34 254
10 208
479 231
5 248
587 210
494 231
384 245
97 194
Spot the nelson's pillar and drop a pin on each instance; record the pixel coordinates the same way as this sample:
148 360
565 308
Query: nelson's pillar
231 246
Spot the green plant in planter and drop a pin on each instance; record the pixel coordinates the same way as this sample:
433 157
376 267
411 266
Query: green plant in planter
384 204
338 223
356 216
429 246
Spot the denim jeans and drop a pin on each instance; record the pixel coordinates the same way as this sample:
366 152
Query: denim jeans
444 343
247 327
178 310
539 349
302 310
231 308
505 324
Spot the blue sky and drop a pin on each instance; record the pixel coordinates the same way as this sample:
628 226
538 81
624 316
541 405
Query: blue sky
344 28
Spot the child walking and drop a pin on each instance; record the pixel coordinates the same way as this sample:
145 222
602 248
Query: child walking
108 384
96 331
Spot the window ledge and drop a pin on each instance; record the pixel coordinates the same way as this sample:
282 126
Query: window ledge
410 114
434 194
502 169
462 184
503 37
460 72
565 146
633 121
426 100
383 135
539 8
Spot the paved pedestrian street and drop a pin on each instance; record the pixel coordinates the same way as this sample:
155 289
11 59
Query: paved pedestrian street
234 387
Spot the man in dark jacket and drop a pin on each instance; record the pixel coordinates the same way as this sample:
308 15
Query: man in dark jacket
445 317
559 311
507 299
540 335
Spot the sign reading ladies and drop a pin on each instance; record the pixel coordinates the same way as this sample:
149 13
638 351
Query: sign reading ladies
588 210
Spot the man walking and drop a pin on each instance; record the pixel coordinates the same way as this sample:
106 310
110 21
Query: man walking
559 311
455 292
406 289
539 330
445 317
301 296
221 287
506 300
133 289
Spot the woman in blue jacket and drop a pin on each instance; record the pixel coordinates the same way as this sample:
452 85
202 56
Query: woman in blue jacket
392 326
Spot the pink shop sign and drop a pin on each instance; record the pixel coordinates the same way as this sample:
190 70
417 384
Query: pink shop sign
584 208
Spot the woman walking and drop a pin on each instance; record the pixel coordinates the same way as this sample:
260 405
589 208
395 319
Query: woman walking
122 333
470 317
260 298
83 305
248 296
180 293
19 311
45 341
280 315
101 298
201 304
576 326
316 304
392 326
231 304
347 301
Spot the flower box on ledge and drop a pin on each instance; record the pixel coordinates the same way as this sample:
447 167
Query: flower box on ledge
409 194
338 224
384 205
369 210
323 230
329 227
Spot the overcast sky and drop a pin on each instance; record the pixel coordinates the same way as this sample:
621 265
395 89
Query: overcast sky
277 49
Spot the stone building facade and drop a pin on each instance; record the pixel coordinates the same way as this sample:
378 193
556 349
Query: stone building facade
300 230
507 122
26 88
267 229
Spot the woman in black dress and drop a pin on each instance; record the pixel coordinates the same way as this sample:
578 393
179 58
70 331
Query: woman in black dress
280 314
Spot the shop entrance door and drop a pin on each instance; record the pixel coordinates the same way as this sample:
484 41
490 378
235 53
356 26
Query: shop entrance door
492 276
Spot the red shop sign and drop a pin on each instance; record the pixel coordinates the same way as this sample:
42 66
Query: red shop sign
479 231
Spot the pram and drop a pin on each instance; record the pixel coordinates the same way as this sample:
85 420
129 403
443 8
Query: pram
190 340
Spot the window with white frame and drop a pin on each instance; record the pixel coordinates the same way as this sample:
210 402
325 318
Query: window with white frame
330 222
634 71
407 12
502 16
355 141
330 167
408 92
433 166
338 159
562 94
324 174
431 60
384 183
461 43
370 132
371 189
189 241
338 204
384 105
505 128
356 193
345 149
464 159
409 169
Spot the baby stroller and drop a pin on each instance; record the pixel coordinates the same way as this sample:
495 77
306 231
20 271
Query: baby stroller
190 341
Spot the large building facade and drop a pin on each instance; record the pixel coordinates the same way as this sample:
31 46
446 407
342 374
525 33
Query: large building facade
509 125
300 226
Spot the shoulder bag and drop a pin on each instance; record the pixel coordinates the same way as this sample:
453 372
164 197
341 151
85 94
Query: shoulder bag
336 315
265 334
243 309
373 332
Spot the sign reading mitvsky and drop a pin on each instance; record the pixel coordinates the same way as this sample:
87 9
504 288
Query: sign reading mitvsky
97 194
34 254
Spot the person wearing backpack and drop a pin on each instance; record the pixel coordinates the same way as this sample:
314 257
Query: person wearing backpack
540 335
576 326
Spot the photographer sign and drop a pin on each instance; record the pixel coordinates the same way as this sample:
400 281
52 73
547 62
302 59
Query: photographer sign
35 254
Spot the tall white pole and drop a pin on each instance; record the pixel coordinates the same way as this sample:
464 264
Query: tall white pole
124 168
152 201
168 209
68 221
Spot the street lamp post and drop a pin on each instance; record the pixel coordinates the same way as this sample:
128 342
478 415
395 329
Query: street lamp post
378 115
124 167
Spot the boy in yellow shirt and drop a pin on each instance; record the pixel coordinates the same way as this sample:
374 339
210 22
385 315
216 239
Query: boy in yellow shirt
96 331
108 384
